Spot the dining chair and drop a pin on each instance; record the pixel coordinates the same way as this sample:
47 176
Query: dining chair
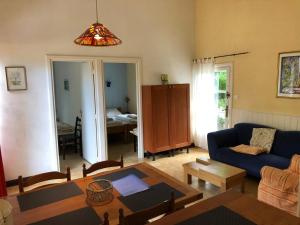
142 217
101 165
29 181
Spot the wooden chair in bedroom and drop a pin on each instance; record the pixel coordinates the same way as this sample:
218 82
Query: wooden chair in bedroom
102 165
29 181
74 140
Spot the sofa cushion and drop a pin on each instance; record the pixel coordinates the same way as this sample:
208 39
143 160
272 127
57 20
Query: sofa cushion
252 163
244 161
274 160
244 131
286 144
247 149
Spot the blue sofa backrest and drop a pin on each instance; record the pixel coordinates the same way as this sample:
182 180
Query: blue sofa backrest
244 131
286 143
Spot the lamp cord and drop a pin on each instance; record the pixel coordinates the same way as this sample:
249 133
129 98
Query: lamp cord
97 11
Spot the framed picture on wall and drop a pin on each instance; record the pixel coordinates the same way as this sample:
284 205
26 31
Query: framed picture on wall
289 75
16 78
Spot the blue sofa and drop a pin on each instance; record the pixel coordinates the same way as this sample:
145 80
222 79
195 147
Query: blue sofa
285 145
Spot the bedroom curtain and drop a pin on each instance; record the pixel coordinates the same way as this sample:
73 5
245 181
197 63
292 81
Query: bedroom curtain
204 105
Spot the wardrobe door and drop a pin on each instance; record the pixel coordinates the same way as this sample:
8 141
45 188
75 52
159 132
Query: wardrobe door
160 115
179 106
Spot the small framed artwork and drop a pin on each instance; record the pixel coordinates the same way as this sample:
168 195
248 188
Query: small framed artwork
16 78
66 85
289 75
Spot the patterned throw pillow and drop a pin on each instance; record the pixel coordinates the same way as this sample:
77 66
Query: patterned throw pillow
263 137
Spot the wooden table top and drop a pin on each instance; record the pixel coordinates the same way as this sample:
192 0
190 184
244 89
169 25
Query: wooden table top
215 168
154 176
248 207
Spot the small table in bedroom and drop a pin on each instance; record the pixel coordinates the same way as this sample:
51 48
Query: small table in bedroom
135 134
64 131
217 173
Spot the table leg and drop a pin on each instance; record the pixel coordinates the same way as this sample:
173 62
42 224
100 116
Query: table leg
223 187
243 186
134 143
188 178
64 148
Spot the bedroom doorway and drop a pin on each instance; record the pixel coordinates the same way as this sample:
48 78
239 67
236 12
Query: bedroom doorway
73 88
121 106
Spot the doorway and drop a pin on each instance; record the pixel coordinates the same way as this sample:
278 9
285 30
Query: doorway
223 79
121 106
75 110
98 111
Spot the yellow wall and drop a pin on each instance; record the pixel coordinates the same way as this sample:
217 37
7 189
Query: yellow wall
263 27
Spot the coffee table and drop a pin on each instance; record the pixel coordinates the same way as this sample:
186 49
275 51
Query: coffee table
217 173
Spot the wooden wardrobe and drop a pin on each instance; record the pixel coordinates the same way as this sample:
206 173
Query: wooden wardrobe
166 117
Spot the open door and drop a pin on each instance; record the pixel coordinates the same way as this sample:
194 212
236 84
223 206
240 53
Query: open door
88 111
223 76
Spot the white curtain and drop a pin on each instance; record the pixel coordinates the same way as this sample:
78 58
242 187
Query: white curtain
204 103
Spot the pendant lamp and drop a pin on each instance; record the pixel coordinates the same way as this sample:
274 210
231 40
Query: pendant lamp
97 35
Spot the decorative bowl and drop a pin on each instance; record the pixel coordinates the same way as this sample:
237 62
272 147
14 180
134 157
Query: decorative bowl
99 192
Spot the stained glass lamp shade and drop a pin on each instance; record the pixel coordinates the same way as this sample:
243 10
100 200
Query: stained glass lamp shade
97 35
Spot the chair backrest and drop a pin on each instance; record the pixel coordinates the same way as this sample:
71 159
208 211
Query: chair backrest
106 220
101 165
181 204
26 182
142 217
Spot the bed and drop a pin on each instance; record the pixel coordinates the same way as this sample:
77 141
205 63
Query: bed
120 123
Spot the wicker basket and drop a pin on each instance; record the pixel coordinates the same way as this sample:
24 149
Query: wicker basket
99 192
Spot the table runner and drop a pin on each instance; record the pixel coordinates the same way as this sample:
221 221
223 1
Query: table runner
84 216
46 196
121 174
218 216
155 195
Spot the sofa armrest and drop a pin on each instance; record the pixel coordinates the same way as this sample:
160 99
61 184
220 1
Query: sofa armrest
280 180
219 139
295 165
279 188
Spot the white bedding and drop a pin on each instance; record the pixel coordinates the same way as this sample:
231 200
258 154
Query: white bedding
115 117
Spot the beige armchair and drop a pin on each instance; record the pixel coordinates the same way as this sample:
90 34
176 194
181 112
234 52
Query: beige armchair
280 188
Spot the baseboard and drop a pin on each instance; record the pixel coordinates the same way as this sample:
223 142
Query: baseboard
11 183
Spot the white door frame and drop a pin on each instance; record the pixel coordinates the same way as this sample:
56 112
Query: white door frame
57 58
138 66
229 67
96 63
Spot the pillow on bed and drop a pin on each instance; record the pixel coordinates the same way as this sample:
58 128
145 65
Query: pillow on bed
112 112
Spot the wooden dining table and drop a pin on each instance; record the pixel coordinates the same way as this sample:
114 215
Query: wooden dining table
154 176
244 205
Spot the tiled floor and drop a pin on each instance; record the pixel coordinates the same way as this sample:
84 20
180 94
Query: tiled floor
170 165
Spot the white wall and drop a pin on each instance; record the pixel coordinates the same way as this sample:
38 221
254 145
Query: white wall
68 102
160 32
131 87
115 95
